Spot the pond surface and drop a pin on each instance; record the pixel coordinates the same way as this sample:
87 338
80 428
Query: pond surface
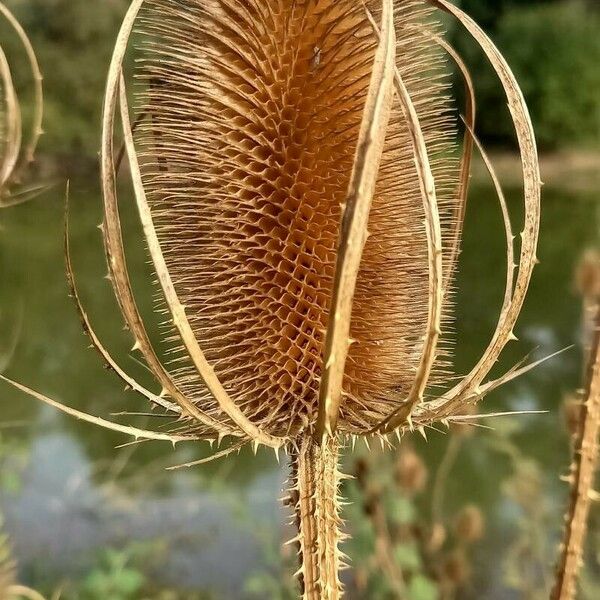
72 493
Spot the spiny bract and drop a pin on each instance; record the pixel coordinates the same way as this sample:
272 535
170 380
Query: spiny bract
252 118
296 172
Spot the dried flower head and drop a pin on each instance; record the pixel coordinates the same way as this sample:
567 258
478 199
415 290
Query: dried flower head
469 525
456 570
16 153
296 175
411 472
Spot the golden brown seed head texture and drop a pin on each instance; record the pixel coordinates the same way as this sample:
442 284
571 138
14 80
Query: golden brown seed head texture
253 113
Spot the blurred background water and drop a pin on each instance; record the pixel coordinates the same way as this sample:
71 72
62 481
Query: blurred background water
68 495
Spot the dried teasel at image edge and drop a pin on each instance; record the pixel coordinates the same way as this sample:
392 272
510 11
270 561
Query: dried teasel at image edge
294 175
13 160
17 151
585 432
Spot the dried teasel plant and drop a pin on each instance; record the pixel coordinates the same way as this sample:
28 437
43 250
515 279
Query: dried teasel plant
585 433
14 159
403 545
16 148
296 173
16 155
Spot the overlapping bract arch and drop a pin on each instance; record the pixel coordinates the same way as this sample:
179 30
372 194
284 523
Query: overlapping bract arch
295 172
245 183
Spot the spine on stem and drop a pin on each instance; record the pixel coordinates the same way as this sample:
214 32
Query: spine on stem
314 497
582 476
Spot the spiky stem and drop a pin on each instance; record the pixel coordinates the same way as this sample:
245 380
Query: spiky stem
314 498
582 475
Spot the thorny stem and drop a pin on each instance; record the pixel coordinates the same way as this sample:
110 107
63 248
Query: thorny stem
583 470
315 481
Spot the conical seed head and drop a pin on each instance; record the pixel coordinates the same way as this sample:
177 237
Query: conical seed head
253 111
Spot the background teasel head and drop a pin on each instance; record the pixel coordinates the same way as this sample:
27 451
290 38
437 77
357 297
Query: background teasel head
16 148
298 174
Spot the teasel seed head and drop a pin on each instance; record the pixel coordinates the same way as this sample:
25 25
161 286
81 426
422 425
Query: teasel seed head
456 569
247 155
436 538
411 472
295 173
469 525
372 500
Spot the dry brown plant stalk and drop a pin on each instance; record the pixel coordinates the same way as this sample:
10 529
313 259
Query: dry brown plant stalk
295 175
14 158
585 442
16 153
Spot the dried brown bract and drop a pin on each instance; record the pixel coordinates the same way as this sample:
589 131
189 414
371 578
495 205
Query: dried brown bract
296 175
469 526
16 148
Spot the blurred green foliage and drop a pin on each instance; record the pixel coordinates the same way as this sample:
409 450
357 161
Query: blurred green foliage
73 40
553 47
487 14
114 578
554 50
122 574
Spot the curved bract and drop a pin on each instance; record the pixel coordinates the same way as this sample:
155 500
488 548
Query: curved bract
267 139
16 148
299 178
295 175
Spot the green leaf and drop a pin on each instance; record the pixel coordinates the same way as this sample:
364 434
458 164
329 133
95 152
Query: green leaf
401 510
408 558
421 588
10 482
130 582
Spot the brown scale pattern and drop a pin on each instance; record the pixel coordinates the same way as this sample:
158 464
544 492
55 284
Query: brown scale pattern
254 110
